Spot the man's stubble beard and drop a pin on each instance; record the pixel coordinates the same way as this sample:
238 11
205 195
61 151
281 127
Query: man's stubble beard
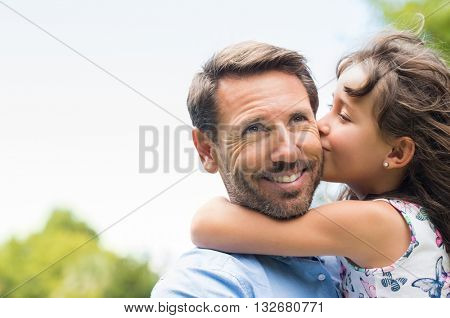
246 194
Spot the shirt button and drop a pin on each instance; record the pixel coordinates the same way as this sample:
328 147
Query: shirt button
321 277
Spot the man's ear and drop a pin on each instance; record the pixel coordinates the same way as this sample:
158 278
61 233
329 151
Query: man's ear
205 148
403 149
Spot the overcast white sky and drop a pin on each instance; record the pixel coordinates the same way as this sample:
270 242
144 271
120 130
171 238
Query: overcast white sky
69 132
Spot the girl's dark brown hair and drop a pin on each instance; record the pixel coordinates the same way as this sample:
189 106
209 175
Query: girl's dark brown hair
411 85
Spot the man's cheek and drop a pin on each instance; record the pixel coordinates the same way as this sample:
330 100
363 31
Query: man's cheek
246 164
316 151
253 157
308 139
307 131
233 148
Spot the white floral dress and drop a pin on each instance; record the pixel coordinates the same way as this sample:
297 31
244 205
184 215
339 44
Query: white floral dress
423 271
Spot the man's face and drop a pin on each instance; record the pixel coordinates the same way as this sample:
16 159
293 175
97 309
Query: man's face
268 149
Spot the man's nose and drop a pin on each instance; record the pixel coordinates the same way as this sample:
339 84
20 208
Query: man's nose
285 147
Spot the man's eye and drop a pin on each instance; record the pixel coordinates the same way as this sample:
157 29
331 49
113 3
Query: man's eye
254 128
299 118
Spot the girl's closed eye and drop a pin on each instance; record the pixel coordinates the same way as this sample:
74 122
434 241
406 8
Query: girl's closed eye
344 117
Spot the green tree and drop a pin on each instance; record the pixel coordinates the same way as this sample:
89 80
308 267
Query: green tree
89 271
403 15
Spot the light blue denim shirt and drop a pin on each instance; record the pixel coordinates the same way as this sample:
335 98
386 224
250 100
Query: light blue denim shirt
208 273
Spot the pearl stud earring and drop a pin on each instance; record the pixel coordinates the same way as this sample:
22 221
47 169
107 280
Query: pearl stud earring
386 164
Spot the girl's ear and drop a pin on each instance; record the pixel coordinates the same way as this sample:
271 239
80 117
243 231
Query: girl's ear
402 152
205 149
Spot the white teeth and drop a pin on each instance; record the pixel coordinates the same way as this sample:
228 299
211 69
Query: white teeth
287 179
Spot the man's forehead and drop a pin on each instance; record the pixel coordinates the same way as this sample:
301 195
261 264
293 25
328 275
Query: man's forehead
267 93
257 83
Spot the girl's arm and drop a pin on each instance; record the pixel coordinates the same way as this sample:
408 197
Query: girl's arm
363 231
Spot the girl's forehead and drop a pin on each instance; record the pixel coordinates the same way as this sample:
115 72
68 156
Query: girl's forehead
353 77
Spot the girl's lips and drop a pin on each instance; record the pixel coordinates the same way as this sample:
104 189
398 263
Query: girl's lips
324 144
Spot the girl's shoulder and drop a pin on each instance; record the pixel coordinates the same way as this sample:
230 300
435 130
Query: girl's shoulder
381 217
405 207
419 224
393 214
373 231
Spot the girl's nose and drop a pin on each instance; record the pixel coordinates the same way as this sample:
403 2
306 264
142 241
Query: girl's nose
324 127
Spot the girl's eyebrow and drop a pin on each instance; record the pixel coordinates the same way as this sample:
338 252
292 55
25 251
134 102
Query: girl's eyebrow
343 102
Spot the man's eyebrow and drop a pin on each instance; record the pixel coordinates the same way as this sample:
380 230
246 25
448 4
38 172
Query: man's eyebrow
301 112
249 121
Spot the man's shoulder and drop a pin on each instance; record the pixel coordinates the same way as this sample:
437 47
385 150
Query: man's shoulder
199 263
210 273
216 260
244 264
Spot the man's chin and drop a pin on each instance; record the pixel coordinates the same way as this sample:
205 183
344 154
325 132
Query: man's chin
280 205
286 200
287 208
280 197
278 200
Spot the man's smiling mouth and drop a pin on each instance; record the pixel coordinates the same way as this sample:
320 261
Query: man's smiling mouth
286 177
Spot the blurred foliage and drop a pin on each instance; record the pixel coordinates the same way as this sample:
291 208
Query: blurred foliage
403 15
89 271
